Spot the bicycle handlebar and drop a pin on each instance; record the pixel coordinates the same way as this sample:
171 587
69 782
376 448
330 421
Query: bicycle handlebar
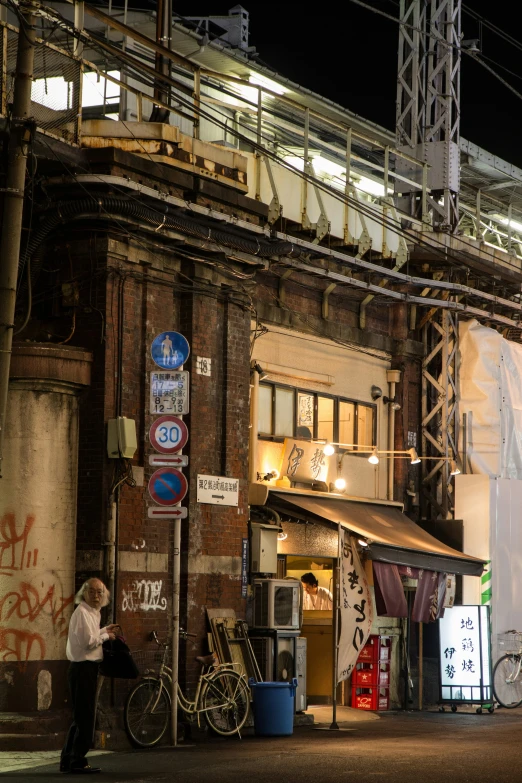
153 637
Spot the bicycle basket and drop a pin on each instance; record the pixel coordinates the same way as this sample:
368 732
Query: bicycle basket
148 661
510 642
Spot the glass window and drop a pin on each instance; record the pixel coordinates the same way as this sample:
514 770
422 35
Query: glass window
284 412
364 425
346 422
264 419
325 418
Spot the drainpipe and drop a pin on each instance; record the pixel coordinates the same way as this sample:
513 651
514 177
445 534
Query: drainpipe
20 138
254 407
393 377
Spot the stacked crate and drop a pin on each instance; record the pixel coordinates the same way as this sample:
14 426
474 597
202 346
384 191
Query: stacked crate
371 676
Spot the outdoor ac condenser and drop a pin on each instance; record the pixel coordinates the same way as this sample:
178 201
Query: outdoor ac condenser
276 604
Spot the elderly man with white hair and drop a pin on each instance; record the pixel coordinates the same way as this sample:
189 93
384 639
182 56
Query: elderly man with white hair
84 650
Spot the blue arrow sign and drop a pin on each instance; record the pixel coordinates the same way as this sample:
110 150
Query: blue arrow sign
170 350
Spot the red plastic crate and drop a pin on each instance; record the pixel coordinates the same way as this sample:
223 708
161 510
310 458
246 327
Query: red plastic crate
377 648
377 699
376 673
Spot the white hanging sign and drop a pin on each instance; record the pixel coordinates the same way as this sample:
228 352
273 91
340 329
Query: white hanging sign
356 608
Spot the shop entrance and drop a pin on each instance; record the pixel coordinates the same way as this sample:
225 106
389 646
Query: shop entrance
317 622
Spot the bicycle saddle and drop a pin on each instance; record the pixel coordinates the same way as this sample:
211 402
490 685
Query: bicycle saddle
206 660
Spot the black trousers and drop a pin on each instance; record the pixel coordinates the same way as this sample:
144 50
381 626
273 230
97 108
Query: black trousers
82 678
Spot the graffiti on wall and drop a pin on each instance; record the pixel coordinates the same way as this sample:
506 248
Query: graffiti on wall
144 595
29 607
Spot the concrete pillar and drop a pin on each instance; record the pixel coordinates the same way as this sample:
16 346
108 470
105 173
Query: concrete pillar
38 523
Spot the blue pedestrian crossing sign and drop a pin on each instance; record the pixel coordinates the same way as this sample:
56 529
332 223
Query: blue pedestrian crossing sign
170 350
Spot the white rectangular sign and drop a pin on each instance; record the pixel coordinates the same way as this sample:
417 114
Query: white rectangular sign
172 460
464 652
203 366
169 392
220 490
162 512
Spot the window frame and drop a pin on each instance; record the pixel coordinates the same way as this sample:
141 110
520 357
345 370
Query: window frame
337 399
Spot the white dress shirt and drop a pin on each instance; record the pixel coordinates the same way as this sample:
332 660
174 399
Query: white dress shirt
321 600
85 639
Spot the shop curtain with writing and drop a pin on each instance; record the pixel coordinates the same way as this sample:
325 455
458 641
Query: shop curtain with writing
355 607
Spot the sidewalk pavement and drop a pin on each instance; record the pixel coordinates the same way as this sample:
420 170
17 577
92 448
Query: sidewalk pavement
18 760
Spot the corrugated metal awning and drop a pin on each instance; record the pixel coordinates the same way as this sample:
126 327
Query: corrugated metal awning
392 537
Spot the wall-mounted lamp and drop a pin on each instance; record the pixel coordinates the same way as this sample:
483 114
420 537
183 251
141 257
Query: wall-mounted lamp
455 470
415 459
373 459
268 476
282 536
328 450
262 374
362 542
340 483
376 392
391 401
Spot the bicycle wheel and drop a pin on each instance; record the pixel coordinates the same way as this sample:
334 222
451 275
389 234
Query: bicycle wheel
507 683
226 701
147 716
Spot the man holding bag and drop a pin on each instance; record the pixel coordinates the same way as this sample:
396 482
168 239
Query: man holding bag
84 650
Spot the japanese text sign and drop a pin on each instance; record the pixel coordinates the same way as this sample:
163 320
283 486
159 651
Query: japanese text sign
464 650
304 461
169 392
356 607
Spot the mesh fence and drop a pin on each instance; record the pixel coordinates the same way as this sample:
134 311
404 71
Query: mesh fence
56 89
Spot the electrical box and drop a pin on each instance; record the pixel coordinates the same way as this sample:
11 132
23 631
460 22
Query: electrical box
264 548
121 438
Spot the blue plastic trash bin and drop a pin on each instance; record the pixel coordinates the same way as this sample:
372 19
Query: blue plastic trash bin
273 707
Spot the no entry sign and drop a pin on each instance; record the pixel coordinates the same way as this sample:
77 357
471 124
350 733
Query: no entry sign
167 486
168 434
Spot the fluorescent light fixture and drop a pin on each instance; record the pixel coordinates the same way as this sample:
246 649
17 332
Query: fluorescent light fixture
340 483
374 458
455 470
324 166
262 81
512 223
328 450
414 456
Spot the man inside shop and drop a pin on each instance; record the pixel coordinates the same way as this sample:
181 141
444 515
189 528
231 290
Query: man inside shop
315 597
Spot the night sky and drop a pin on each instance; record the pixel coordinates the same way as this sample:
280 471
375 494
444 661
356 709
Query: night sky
350 56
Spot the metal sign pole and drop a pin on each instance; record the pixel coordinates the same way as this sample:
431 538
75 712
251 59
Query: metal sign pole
176 571
335 631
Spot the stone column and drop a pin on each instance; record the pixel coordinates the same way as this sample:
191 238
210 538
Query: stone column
38 523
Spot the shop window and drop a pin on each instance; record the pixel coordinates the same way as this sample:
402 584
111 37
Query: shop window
287 412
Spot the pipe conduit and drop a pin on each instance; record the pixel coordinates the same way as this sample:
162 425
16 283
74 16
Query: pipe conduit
92 207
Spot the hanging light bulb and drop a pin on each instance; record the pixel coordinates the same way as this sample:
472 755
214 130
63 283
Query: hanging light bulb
340 483
455 470
328 450
373 459
414 456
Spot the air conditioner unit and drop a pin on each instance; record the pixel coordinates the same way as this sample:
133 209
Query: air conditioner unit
276 603
281 656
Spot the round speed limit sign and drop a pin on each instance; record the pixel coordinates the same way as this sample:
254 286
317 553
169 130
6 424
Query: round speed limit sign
168 434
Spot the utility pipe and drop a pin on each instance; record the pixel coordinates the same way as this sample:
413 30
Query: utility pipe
21 132
393 377
254 409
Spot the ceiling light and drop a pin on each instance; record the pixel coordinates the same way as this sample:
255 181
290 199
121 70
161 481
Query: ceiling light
455 470
414 456
373 459
328 450
340 483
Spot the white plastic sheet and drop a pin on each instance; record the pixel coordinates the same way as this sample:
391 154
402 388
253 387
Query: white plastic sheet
490 380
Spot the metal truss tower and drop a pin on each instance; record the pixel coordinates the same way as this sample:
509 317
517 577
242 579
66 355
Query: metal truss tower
428 100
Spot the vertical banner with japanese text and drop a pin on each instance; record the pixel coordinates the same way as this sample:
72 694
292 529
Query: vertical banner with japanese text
356 607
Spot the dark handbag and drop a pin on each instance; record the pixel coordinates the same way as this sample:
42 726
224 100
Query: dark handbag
117 660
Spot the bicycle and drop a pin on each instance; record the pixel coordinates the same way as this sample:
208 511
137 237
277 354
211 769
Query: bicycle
222 696
507 683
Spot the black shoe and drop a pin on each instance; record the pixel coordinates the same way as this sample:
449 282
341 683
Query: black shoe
86 770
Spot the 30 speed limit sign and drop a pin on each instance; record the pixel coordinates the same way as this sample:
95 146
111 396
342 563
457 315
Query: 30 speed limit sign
168 434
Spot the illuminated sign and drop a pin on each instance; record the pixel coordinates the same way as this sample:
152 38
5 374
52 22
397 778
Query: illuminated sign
304 461
465 655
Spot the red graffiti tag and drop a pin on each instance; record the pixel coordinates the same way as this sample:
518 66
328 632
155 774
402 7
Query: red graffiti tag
13 544
17 645
26 604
